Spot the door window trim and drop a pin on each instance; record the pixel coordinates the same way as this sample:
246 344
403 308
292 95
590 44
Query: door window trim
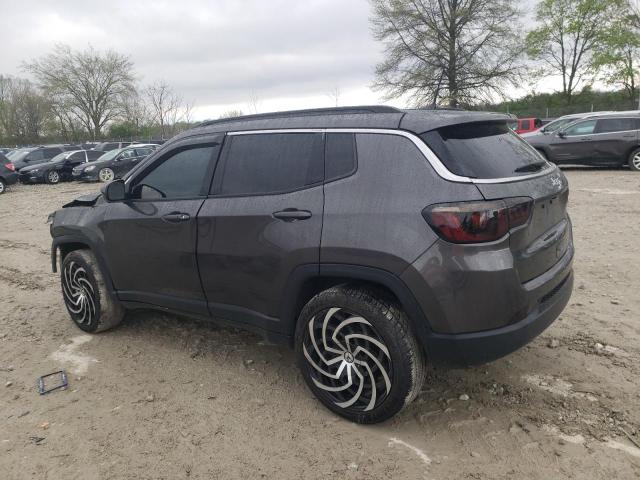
604 133
430 157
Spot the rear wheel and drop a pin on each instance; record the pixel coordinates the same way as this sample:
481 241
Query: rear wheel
53 177
85 294
3 186
106 175
634 160
358 355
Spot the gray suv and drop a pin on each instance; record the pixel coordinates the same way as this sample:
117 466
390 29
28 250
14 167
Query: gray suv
604 140
370 239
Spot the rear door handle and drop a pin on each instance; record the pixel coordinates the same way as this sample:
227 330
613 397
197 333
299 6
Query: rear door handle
176 217
292 214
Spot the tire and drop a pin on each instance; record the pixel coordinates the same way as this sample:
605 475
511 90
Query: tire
106 175
3 186
85 294
358 354
52 177
634 160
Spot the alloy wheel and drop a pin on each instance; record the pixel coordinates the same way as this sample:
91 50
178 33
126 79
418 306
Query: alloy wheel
636 161
79 293
1 187
53 177
347 360
106 175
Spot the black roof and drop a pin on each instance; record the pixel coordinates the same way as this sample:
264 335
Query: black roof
416 121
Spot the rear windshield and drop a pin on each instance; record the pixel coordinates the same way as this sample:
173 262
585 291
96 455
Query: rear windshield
483 150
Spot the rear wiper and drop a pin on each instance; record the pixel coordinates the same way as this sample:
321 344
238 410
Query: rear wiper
532 167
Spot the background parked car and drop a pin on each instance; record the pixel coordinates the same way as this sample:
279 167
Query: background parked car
8 175
25 157
58 168
603 140
113 164
108 146
524 125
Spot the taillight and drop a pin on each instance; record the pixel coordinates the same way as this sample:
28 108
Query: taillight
10 166
475 222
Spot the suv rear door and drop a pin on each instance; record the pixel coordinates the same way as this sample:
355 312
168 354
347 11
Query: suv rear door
262 219
150 239
614 138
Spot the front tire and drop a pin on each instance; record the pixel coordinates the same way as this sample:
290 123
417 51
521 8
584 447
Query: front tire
106 175
53 177
358 354
3 186
634 160
85 294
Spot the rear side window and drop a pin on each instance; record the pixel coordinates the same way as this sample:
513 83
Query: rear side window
51 152
77 157
610 125
483 150
340 155
94 154
180 175
36 155
269 163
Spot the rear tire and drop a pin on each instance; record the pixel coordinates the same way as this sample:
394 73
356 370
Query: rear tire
85 294
358 354
634 160
3 186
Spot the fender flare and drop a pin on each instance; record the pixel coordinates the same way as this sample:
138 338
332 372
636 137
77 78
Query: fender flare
348 272
58 242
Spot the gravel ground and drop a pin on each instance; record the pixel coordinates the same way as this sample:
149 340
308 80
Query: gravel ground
164 397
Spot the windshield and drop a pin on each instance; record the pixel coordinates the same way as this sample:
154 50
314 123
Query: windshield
110 155
20 154
483 150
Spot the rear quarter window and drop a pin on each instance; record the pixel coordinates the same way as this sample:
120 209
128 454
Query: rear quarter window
483 150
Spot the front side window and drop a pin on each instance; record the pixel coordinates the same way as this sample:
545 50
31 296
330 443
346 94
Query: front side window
526 124
35 155
582 128
610 125
180 175
257 164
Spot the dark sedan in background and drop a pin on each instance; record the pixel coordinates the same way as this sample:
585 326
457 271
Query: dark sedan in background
59 167
603 140
8 175
113 164
28 156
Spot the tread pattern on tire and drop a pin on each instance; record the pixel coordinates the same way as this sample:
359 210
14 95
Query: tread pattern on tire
398 324
111 313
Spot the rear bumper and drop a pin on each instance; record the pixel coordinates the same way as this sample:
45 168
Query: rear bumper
10 178
482 347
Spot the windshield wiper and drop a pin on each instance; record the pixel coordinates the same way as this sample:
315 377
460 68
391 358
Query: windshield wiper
532 167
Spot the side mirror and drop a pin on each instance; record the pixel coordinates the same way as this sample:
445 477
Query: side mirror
562 134
114 191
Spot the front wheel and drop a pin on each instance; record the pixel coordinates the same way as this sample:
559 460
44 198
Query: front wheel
3 186
106 175
634 160
85 294
53 177
358 355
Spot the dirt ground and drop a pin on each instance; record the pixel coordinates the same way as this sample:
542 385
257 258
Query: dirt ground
163 397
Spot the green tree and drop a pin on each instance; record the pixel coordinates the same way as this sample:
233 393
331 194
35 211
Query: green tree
617 57
453 51
568 32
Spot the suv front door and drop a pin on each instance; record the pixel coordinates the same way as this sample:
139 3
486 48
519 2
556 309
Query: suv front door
150 239
262 219
574 144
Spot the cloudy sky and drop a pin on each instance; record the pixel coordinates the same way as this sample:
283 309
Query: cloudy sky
218 53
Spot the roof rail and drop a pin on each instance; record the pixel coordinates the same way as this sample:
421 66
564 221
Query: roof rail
306 113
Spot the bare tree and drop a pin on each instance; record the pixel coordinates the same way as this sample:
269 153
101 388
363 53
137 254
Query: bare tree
91 84
24 112
568 32
254 102
230 114
166 105
454 51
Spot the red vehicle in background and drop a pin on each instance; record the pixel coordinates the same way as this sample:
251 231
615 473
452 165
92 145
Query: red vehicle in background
524 125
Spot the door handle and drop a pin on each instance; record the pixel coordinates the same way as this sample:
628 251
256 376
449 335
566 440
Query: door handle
588 139
176 217
292 214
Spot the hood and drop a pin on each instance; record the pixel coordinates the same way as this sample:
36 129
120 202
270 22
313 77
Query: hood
84 201
37 166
